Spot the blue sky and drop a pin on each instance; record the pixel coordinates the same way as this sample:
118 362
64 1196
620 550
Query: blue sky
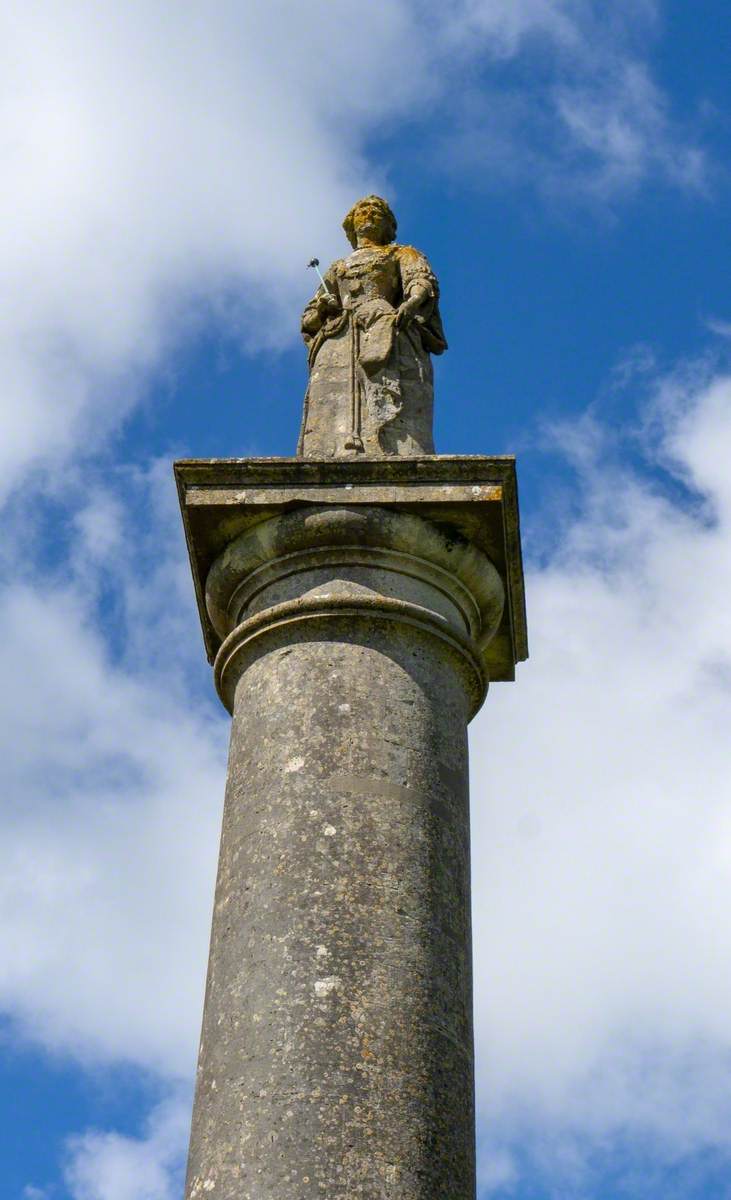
168 171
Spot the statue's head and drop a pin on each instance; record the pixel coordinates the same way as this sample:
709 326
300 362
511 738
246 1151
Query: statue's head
371 217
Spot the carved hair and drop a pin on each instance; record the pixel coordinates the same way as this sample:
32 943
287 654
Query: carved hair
385 212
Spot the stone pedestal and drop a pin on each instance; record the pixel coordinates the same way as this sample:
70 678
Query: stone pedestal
355 612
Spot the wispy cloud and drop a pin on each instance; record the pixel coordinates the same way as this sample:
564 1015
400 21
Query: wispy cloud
562 99
617 134
719 326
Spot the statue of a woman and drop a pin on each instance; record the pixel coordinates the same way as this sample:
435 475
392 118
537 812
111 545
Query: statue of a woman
370 333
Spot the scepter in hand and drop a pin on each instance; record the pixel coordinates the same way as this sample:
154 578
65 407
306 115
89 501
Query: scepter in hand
315 262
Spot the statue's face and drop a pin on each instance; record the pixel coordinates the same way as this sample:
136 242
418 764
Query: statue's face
369 221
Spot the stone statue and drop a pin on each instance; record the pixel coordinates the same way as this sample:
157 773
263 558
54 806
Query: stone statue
370 331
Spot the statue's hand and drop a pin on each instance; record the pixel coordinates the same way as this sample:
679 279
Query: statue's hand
328 305
405 312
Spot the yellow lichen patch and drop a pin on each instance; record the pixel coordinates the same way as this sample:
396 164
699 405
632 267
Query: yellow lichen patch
408 253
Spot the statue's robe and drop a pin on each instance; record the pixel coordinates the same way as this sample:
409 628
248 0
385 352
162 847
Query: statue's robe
360 348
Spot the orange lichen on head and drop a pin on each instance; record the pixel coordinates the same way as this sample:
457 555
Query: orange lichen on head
385 212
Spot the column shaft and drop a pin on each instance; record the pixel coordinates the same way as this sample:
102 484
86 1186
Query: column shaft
336 1056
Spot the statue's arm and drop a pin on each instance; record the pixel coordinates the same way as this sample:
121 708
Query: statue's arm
321 306
418 297
419 285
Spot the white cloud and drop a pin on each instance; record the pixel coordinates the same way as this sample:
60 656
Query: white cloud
602 811
114 769
166 163
107 1166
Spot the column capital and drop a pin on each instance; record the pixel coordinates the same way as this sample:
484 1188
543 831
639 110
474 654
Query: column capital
313 567
453 520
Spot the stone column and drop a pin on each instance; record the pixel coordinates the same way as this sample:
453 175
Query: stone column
336 1055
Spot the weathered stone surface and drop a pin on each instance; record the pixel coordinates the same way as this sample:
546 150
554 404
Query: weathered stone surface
336 1055
370 331
351 617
